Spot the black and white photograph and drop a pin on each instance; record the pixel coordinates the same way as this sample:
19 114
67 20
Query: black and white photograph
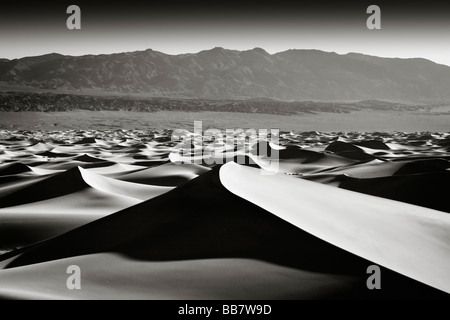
232 151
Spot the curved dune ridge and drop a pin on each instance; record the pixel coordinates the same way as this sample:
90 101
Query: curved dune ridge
411 240
144 219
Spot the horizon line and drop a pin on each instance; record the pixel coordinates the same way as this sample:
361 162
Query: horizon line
226 49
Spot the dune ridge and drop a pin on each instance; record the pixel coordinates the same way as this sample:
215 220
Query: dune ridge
409 239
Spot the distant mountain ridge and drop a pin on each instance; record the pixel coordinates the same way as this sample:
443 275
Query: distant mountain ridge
293 75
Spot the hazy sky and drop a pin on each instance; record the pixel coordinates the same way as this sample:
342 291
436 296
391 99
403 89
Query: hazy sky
407 30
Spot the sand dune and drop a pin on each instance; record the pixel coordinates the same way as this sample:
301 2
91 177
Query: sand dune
165 175
112 276
426 189
408 239
123 188
143 227
13 168
174 233
63 202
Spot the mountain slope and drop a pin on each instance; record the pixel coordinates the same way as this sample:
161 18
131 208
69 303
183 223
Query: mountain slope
220 73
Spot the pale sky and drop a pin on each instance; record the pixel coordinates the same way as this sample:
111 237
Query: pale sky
406 31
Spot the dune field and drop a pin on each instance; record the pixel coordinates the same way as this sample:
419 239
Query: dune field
162 214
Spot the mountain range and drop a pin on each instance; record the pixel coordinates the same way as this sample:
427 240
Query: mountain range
293 75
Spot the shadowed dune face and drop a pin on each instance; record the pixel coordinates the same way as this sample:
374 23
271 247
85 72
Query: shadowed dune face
53 182
206 221
96 196
426 189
